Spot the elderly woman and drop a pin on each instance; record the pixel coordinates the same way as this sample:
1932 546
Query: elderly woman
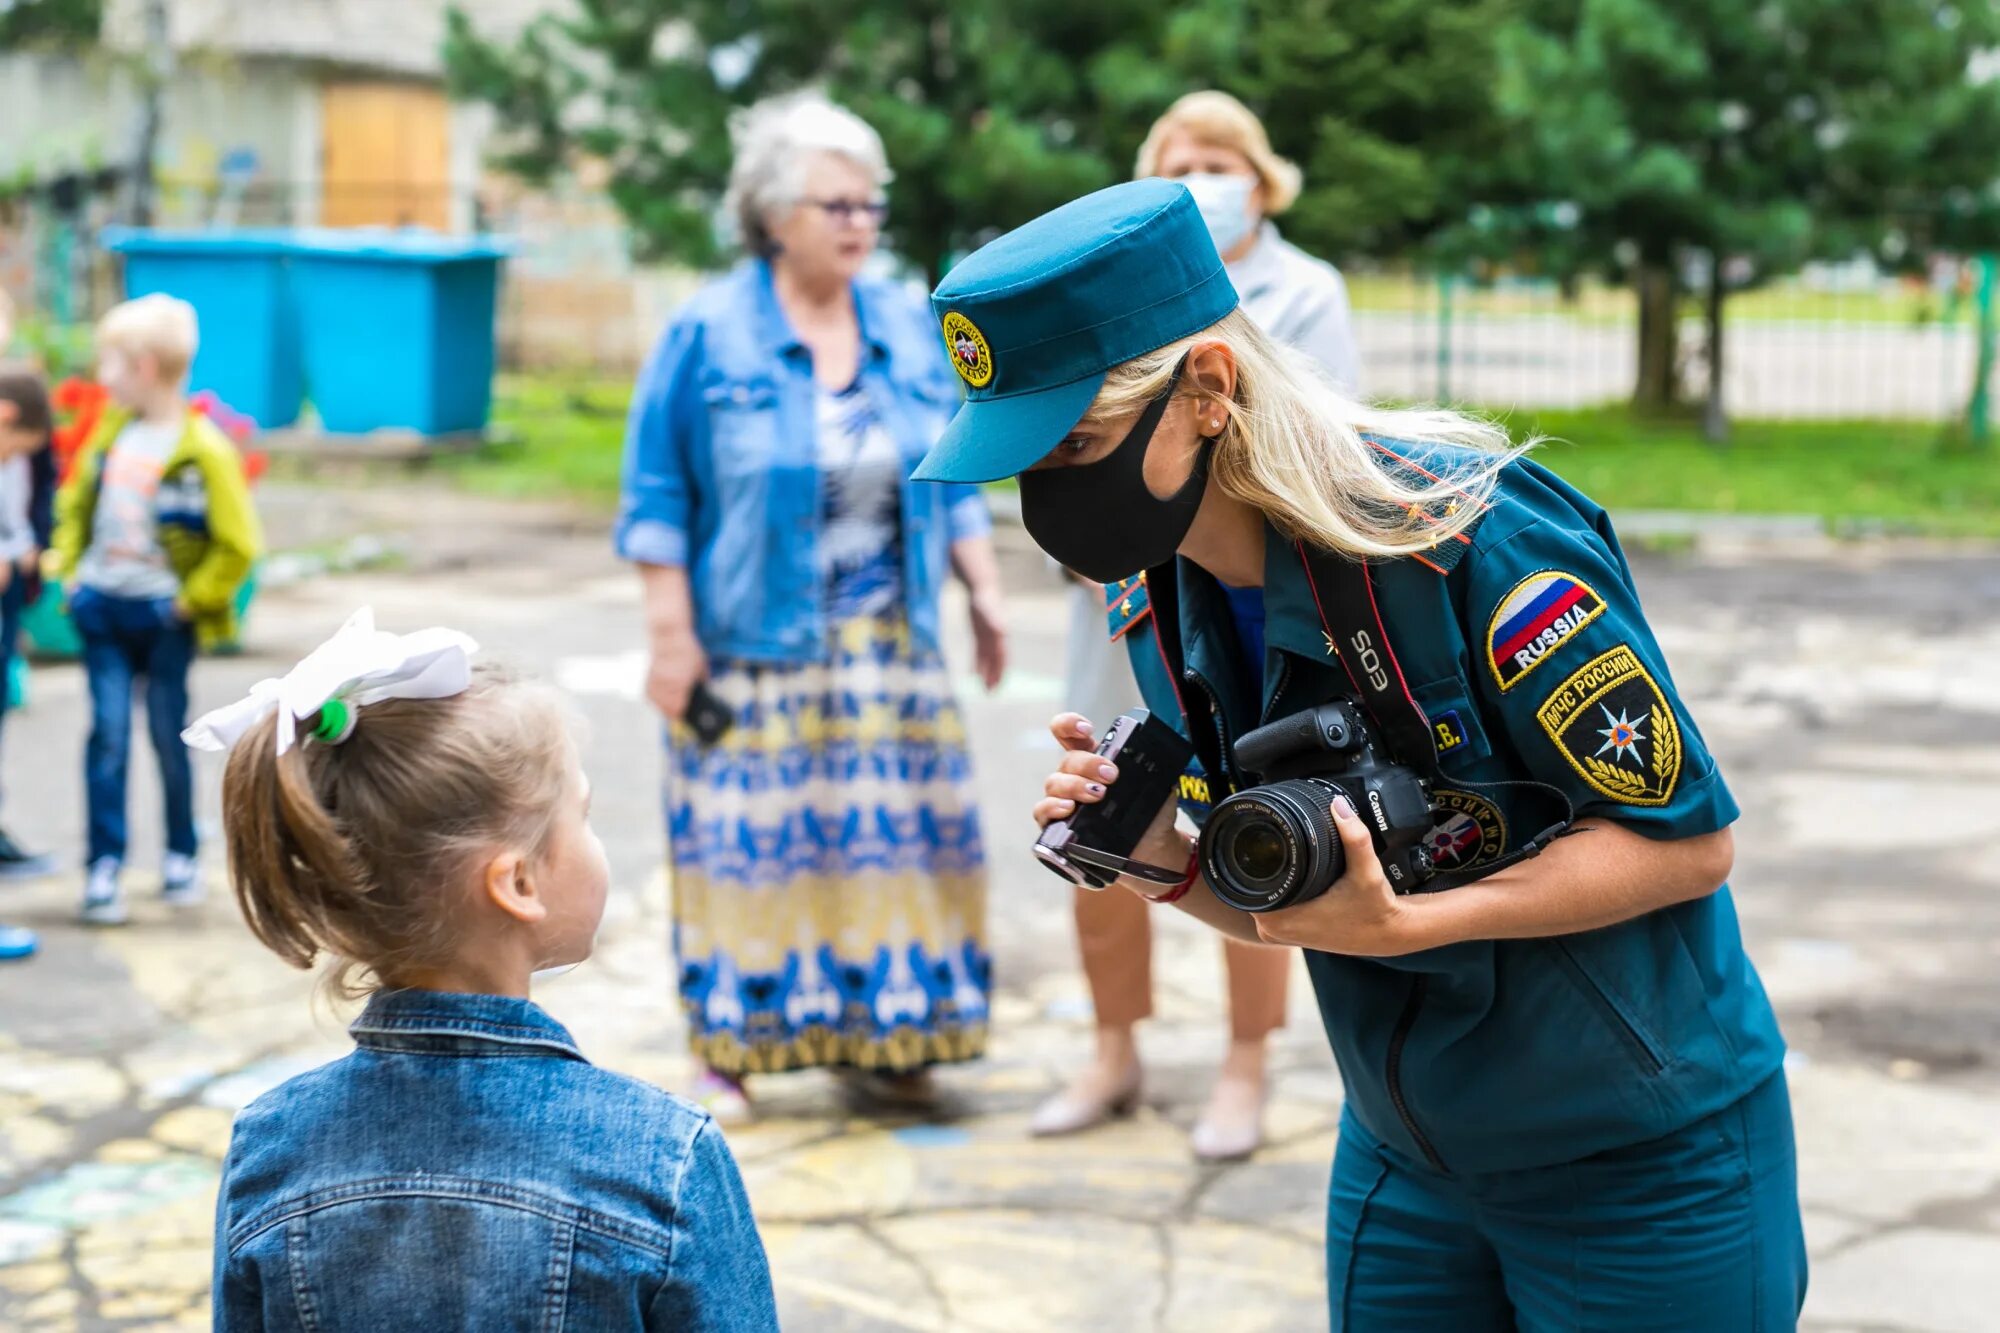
1217 147
828 874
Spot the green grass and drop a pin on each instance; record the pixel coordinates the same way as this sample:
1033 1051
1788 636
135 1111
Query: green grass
566 434
562 437
1854 474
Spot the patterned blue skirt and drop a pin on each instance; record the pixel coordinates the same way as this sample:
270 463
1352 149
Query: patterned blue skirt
829 882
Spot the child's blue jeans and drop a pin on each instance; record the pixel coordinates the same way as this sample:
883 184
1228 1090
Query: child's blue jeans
125 639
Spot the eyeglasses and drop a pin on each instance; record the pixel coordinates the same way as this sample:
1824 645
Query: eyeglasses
848 212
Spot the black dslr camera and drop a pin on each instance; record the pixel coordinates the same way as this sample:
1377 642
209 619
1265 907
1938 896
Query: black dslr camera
1275 845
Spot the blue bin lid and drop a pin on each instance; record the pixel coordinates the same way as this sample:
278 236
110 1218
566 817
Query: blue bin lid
409 244
209 241
406 245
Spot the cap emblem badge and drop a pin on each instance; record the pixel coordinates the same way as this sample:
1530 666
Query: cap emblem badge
970 355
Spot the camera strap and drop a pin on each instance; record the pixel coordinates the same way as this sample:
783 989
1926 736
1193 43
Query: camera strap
1344 593
1114 865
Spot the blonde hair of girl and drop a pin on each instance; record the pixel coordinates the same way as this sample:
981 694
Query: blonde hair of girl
1295 448
359 850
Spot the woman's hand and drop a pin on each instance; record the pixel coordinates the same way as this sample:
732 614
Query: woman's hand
989 637
1359 915
1082 778
677 665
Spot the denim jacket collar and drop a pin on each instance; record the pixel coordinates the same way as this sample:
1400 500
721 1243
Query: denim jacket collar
776 332
452 1023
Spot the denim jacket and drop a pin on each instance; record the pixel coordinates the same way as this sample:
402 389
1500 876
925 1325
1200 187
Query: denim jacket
720 470
467 1168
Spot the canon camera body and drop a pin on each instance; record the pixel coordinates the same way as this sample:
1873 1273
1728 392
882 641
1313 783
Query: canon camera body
1275 845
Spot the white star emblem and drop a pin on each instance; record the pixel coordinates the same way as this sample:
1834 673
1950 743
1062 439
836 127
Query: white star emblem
1621 737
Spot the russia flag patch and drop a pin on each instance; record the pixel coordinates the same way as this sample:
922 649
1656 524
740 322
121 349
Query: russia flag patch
1541 612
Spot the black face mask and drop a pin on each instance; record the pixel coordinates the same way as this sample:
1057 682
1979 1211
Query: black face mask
1099 519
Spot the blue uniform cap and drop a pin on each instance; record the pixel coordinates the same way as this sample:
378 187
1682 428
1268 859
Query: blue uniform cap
1034 320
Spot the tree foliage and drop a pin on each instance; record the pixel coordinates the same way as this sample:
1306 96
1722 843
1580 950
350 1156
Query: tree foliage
49 22
1748 137
995 112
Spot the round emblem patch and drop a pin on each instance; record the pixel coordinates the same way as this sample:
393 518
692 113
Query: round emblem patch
970 356
1470 830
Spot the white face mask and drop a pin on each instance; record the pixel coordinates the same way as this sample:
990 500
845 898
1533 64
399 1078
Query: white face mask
1224 202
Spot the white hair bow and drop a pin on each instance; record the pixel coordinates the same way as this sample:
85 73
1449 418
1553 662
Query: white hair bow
359 665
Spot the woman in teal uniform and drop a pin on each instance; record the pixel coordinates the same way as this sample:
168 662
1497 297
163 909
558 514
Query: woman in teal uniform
1565 1104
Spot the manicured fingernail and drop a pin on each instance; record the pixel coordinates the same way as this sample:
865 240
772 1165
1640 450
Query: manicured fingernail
1084 729
1345 807
1064 807
1107 772
1095 789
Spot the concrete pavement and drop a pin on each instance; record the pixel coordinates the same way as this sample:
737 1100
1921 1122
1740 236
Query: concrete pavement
1848 692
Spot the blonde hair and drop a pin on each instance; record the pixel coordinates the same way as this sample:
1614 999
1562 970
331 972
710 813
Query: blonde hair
1300 451
775 140
160 326
356 850
1217 118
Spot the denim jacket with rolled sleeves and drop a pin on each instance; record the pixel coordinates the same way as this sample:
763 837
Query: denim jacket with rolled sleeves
720 470
467 1168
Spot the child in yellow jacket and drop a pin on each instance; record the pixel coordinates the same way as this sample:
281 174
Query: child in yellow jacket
155 533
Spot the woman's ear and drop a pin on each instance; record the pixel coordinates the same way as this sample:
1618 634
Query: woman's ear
1210 375
510 885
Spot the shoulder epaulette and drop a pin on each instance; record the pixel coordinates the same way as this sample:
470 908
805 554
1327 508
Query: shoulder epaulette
1126 603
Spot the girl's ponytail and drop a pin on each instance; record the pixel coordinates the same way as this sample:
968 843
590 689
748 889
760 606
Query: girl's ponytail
358 849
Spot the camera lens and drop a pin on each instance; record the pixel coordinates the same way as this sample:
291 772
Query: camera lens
1271 847
1259 852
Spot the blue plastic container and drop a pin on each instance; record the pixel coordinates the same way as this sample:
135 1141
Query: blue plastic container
398 328
239 285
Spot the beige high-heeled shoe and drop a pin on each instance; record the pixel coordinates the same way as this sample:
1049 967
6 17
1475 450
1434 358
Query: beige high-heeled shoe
1232 1124
1074 1110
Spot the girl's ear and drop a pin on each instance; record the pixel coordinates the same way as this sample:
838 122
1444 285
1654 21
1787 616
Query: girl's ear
509 882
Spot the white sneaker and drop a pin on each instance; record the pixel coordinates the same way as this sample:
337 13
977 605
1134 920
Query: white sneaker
103 898
182 883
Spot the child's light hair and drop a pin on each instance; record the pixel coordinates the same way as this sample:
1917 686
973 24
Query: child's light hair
160 326
1294 449
361 850
1218 119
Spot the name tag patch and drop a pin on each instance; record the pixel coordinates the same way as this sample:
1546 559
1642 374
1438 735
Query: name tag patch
1534 619
1196 798
1447 730
1617 730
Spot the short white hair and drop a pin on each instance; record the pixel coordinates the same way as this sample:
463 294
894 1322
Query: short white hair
160 326
775 141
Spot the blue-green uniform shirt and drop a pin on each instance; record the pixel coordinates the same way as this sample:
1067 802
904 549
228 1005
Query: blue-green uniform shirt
1525 645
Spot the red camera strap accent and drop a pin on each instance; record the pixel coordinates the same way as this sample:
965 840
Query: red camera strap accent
1357 636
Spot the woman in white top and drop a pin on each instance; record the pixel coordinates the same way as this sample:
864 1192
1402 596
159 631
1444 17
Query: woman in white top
1217 147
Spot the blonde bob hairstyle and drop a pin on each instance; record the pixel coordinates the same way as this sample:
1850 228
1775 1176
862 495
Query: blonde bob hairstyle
1299 450
1217 119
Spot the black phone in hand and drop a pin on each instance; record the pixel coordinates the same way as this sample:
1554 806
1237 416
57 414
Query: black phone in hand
707 716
